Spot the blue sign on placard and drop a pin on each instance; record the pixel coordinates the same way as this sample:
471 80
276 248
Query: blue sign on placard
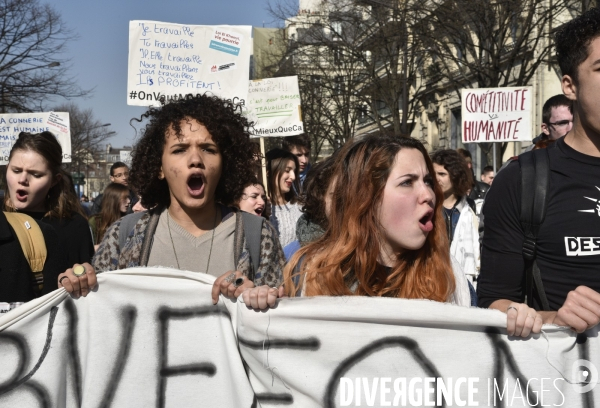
229 49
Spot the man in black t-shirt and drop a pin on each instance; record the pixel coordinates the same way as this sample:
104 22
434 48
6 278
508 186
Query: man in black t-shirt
568 243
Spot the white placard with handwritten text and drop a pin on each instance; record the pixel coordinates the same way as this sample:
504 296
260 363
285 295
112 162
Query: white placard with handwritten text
497 114
274 106
11 124
171 60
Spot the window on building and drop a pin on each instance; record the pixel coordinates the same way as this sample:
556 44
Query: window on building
340 85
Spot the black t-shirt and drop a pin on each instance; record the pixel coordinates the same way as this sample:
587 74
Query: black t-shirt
568 244
74 235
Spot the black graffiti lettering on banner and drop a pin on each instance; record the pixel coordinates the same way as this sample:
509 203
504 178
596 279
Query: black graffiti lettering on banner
311 343
165 314
14 382
501 349
275 399
129 314
587 398
371 348
72 347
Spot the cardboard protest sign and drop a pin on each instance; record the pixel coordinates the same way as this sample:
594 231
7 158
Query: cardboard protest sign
171 60
274 107
497 114
151 337
11 124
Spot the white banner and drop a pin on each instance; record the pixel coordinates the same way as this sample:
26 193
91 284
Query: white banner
497 114
11 124
274 107
172 60
151 337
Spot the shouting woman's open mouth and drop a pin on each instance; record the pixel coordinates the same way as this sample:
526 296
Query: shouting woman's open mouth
196 184
21 195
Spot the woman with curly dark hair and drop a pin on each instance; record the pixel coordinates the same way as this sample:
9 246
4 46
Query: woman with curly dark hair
254 200
455 179
193 158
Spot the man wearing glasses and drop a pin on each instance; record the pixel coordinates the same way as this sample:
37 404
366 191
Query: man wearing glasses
557 118
119 173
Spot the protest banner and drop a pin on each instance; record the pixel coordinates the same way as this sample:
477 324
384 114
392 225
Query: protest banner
171 60
146 338
151 337
497 114
274 106
11 124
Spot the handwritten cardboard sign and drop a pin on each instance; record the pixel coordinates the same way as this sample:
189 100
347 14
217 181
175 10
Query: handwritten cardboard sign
11 124
274 106
497 114
169 61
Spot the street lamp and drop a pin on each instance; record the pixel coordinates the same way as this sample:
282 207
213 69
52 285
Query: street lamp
86 167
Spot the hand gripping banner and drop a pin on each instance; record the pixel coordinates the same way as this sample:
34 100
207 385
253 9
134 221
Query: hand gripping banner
152 337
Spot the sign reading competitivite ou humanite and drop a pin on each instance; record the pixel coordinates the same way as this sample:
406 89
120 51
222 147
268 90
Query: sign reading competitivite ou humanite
168 61
11 124
497 114
274 107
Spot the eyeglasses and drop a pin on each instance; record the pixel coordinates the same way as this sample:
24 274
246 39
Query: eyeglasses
119 175
560 123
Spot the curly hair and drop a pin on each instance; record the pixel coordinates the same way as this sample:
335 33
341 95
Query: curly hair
573 41
228 129
349 250
456 166
240 196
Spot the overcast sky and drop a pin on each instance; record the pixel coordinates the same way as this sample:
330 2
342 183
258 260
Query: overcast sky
99 56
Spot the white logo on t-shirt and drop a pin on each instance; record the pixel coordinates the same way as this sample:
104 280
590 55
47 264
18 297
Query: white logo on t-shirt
593 210
582 246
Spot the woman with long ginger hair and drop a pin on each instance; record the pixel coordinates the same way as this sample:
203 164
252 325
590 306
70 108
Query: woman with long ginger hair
386 234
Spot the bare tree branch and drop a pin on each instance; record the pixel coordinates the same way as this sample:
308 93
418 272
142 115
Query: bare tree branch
32 38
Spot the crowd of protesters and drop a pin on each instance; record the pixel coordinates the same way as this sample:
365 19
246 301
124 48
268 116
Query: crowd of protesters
380 217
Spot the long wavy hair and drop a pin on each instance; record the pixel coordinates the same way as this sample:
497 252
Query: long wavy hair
62 201
277 161
110 211
346 255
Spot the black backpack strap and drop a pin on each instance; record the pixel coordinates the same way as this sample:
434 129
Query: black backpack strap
535 180
253 232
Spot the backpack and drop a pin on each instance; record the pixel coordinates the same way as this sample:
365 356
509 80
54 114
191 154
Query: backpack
32 242
535 180
252 231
